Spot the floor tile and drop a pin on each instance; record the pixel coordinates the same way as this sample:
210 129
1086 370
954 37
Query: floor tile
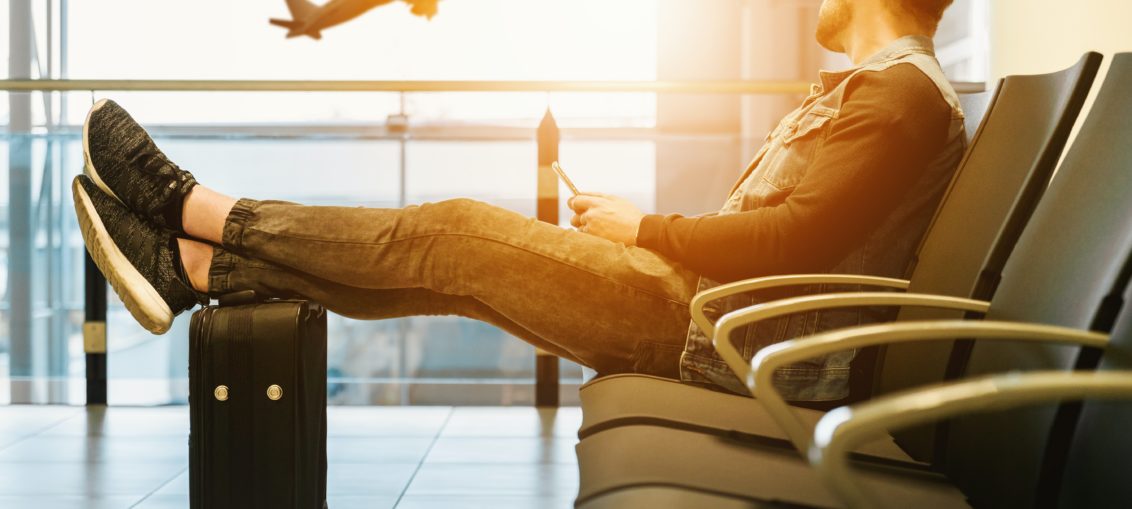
513 422
504 450
375 450
368 479
126 422
358 479
82 479
335 502
472 479
360 502
70 502
96 449
112 458
164 502
484 502
23 420
178 487
9 439
386 422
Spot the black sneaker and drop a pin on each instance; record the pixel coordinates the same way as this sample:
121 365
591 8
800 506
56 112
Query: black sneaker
123 161
138 258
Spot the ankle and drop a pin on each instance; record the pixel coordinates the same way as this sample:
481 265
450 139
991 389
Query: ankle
196 259
204 212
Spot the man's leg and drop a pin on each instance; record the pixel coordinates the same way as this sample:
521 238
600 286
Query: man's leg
226 272
611 307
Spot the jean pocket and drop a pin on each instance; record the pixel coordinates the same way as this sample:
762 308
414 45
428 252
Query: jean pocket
657 359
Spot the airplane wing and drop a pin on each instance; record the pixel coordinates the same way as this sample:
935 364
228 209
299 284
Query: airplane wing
304 15
300 9
296 28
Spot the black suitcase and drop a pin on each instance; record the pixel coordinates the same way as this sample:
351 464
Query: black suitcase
257 405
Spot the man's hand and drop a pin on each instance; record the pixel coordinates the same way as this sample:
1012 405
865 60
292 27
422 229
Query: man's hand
608 217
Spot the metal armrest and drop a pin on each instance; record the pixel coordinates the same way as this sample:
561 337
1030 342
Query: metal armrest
845 428
762 283
769 359
748 315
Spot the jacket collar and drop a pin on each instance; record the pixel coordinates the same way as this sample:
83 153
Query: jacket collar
899 48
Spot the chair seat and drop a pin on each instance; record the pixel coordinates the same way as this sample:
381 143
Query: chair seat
631 457
619 400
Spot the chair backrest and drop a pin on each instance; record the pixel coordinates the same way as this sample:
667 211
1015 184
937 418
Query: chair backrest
975 108
1004 173
1067 269
1095 471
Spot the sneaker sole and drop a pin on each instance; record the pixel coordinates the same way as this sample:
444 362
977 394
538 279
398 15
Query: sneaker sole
88 164
139 296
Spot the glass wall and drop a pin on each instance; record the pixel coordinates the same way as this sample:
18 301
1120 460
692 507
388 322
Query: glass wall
322 148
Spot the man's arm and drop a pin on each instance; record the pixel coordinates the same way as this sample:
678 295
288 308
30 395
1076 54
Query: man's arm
892 124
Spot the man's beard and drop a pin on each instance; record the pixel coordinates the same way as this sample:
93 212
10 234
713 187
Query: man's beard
833 19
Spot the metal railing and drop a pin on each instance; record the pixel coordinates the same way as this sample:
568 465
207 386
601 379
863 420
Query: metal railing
683 87
660 87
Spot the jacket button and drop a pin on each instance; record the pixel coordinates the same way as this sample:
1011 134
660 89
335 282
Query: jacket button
274 392
221 393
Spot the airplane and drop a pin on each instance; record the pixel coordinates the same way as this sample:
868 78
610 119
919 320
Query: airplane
309 19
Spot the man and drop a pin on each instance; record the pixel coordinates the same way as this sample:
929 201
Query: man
847 183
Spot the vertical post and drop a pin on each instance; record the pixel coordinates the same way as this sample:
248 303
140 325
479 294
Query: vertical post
57 351
19 203
546 365
94 332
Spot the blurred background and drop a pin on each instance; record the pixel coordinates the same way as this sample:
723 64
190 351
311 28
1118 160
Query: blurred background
667 152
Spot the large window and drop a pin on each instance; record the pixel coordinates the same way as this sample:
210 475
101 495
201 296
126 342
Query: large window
325 148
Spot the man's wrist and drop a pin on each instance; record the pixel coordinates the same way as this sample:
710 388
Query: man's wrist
648 229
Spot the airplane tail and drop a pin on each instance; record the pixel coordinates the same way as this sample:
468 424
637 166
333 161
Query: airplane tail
293 28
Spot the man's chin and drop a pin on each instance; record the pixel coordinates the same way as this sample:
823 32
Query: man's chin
830 41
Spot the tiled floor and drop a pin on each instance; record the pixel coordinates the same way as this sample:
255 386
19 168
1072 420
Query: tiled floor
380 457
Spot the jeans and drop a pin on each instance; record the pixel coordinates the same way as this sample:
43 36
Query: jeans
614 308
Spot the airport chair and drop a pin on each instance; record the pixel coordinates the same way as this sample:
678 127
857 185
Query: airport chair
1095 472
1004 172
1077 455
1068 269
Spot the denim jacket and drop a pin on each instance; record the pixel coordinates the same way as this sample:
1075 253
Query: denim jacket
783 160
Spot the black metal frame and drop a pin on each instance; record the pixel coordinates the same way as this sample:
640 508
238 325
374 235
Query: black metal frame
95 299
546 365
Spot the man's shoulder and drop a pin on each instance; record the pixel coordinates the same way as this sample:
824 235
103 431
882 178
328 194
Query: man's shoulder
911 78
900 78
902 86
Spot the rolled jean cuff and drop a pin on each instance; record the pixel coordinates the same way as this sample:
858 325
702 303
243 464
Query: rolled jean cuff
223 263
232 237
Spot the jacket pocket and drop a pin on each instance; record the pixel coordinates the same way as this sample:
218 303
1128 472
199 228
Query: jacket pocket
800 141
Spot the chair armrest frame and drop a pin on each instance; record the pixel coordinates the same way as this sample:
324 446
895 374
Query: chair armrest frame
845 428
700 301
773 357
748 315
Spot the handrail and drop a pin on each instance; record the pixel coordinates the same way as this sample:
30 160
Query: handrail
712 87
684 87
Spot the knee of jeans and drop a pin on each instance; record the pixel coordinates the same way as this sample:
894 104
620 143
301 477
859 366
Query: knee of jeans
461 205
468 215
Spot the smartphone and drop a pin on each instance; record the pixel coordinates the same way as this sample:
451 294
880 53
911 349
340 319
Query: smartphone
562 175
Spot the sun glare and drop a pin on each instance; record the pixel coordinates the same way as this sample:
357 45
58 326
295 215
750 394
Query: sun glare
467 40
